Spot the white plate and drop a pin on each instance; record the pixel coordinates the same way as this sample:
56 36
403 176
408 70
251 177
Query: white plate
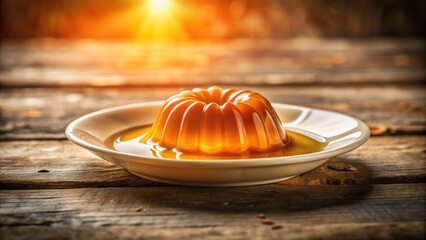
343 132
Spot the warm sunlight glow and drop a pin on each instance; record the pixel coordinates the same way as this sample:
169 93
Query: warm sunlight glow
159 6
159 21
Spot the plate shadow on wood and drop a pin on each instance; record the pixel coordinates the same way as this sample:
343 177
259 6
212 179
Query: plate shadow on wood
333 183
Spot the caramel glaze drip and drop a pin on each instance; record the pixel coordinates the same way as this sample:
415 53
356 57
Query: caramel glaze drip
217 121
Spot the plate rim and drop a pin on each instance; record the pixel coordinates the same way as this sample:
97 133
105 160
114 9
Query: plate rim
365 134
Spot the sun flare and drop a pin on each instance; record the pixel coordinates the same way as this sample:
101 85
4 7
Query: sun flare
160 20
159 6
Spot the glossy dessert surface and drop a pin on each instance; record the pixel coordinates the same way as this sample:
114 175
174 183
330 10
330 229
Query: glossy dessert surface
217 121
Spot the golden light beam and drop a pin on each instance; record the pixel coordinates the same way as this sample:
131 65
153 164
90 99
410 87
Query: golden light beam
160 22
159 6
150 21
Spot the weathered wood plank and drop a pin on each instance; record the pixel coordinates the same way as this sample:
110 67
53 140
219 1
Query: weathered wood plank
207 207
40 77
299 61
383 230
43 113
305 207
60 164
236 45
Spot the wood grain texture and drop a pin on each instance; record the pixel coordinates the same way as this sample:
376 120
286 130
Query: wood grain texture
51 189
43 113
371 230
271 62
315 208
60 164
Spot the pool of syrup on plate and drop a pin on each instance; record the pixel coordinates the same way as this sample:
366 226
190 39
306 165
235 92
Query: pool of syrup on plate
129 141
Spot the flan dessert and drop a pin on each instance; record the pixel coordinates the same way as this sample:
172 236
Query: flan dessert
217 121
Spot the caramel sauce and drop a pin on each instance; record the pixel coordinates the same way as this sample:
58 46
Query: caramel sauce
131 141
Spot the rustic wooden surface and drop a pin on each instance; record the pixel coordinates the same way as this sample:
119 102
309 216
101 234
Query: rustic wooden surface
30 113
51 189
298 62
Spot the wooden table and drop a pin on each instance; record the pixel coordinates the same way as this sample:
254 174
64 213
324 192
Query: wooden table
51 189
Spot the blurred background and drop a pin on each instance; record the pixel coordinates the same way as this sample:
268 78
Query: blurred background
192 20
200 42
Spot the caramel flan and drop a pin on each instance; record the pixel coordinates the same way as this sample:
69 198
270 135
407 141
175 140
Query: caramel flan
217 121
